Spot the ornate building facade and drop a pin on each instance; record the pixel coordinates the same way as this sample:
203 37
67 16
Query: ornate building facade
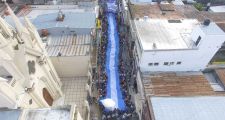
27 77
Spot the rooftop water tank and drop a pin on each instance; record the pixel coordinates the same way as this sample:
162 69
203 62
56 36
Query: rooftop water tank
206 22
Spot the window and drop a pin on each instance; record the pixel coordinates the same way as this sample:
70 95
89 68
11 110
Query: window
179 62
30 101
198 40
156 64
171 63
166 63
150 64
174 21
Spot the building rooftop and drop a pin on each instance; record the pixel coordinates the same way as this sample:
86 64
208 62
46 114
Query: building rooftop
177 84
10 114
188 108
212 29
222 26
66 112
162 34
142 2
180 12
69 45
44 16
71 20
167 7
48 114
218 8
189 11
221 74
154 11
32 11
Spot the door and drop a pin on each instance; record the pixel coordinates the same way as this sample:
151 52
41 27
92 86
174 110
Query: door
48 98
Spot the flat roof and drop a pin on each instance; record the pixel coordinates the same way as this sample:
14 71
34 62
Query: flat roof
188 108
154 11
142 2
177 84
34 13
44 19
218 8
212 29
165 35
180 12
71 20
54 113
49 114
10 114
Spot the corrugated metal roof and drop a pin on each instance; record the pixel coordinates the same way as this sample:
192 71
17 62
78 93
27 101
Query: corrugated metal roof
177 84
71 20
69 45
188 108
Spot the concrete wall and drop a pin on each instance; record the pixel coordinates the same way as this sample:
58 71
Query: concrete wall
53 7
194 59
59 31
71 66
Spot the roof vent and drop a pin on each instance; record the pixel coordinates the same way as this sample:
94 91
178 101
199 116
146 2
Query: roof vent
154 46
174 21
206 22
60 16
145 18
59 54
44 32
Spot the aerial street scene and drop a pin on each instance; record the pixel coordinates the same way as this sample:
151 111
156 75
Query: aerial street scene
112 60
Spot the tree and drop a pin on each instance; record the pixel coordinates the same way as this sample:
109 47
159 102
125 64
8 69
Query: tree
199 6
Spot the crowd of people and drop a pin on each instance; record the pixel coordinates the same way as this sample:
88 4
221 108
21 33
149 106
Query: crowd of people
124 73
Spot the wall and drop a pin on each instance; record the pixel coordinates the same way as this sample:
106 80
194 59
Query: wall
71 66
51 7
59 31
195 59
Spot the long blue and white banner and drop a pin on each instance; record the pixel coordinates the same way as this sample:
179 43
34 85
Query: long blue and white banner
112 61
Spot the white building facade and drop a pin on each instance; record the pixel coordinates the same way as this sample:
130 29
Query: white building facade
164 46
27 76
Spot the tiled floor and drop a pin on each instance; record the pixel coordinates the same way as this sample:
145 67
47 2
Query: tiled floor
75 93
